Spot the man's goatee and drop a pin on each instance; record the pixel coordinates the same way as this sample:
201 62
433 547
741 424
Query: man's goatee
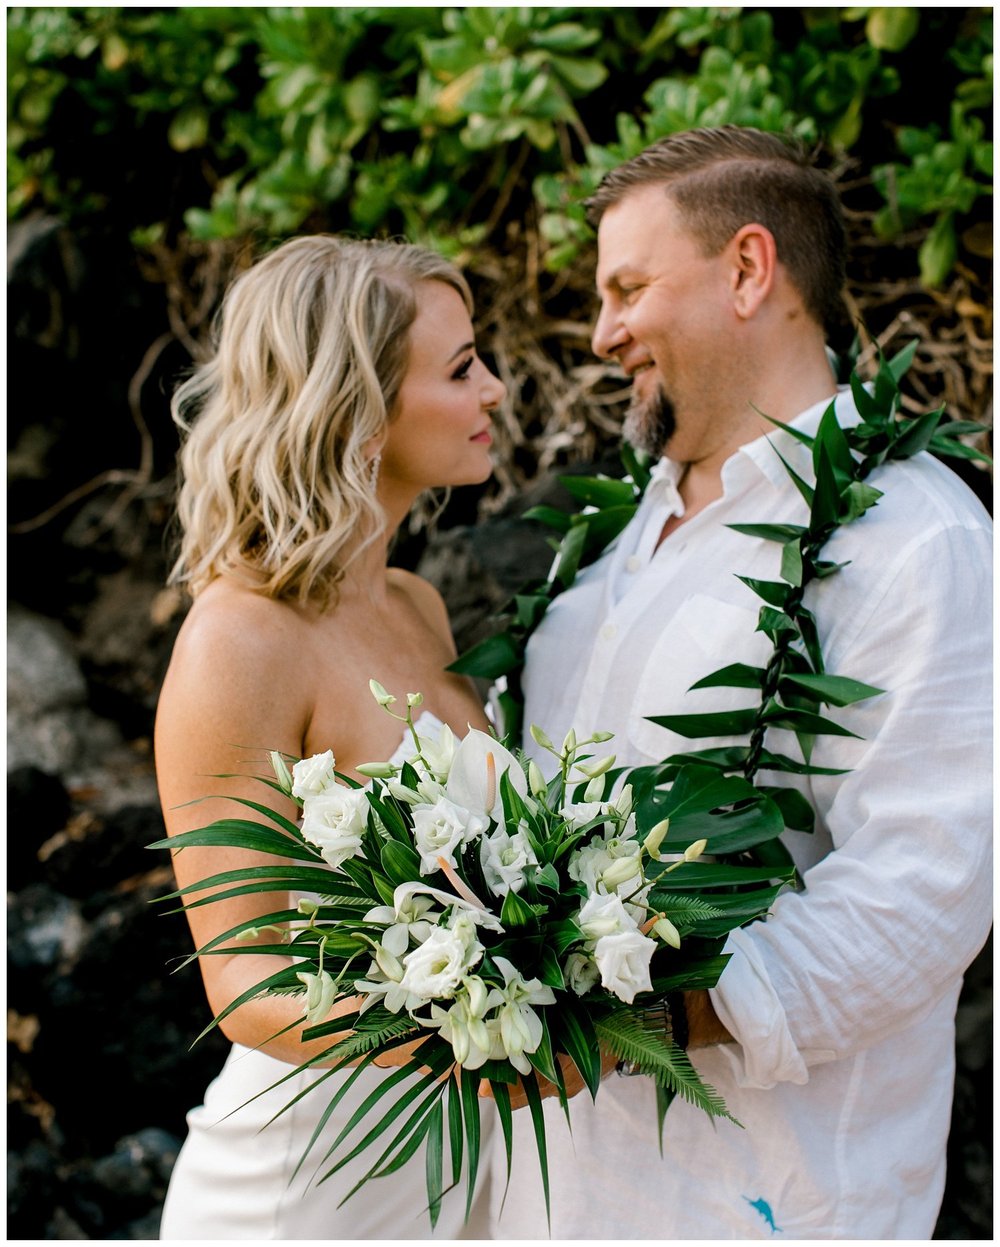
649 426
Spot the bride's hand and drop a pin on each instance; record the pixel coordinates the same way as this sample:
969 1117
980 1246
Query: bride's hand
572 1080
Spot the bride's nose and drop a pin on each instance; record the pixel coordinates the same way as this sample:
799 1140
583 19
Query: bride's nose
493 392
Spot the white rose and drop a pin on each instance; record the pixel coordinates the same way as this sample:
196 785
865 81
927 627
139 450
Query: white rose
604 915
504 859
313 775
334 821
623 960
441 828
434 970
581 973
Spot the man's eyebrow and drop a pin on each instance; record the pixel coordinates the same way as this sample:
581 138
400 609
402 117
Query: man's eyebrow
613 280
466 346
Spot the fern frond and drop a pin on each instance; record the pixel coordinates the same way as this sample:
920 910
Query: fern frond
659 1057
685 907
362 1041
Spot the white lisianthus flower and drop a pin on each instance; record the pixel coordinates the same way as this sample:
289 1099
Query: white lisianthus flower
334 821
581 973
504 859
414 919
313 775
470 782
435 968
623 960
440 829
321 991
604 915
520 1026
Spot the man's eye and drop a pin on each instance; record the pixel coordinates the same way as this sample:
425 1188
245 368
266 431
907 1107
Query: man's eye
462 371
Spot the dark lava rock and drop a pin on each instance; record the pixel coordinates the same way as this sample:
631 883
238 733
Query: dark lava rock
38 806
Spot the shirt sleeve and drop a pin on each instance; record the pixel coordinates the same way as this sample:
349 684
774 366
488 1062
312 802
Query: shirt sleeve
890 918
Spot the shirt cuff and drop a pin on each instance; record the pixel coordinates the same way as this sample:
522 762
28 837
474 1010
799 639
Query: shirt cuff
748 1006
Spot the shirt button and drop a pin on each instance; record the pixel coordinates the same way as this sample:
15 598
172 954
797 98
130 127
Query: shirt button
608 632
633 563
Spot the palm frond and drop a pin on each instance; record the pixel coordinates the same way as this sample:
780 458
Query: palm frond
626 1034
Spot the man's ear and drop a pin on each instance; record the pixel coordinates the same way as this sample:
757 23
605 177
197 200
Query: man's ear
754 258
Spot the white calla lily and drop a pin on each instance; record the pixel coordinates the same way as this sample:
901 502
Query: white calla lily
469 783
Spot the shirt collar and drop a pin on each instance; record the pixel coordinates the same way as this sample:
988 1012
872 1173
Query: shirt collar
759 455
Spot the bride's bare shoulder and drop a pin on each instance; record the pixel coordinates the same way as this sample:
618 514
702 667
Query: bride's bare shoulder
424 597
229 622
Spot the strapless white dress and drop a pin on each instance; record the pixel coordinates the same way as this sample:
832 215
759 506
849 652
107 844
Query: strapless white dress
233 1177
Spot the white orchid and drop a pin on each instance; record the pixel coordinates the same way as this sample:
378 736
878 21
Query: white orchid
321 991
415 920
474 1040
477 912
520 1026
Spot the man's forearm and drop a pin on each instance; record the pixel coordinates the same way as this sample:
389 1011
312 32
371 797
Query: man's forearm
704 1027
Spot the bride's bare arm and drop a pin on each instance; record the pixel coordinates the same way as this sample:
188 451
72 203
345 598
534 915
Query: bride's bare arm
238 685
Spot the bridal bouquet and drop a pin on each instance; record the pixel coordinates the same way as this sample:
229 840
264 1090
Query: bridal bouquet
502 920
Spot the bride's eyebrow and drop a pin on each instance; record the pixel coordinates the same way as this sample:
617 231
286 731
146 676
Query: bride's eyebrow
466 346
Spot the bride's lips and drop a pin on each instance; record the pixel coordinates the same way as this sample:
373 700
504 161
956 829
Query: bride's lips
485 438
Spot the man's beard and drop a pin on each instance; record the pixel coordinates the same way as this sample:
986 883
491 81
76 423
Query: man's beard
650 425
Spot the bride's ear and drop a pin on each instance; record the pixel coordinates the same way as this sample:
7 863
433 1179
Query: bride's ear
754 260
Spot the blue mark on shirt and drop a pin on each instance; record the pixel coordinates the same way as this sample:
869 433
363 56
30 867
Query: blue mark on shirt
764 1208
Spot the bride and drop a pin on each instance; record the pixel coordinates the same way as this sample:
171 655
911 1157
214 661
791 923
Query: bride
345 383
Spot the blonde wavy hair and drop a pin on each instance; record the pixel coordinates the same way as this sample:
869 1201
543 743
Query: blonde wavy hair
312 347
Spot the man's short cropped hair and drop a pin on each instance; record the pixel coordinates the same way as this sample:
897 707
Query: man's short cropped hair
724 178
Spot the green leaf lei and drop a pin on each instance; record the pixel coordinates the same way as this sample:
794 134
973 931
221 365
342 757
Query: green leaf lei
795 683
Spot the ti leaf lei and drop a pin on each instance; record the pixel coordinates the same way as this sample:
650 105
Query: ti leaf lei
795 683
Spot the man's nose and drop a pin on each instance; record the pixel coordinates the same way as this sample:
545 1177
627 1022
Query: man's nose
609 333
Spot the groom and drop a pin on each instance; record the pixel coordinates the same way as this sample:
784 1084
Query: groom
830 1034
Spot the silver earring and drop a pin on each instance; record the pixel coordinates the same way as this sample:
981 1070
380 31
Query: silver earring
373 466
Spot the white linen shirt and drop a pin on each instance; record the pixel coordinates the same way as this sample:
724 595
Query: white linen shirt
842 1002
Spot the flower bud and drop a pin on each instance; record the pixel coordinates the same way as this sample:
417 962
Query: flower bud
655 838
381 696
600 767
378 770
388 963
594 790
667 932
400 791
306 907
599 738
623 802
281 773
539 737
695 850
536 780
620 871
414 699
569 742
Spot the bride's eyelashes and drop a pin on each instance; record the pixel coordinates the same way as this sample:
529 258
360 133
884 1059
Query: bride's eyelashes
462 371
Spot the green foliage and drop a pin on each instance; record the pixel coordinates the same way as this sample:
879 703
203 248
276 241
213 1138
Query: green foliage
432 122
